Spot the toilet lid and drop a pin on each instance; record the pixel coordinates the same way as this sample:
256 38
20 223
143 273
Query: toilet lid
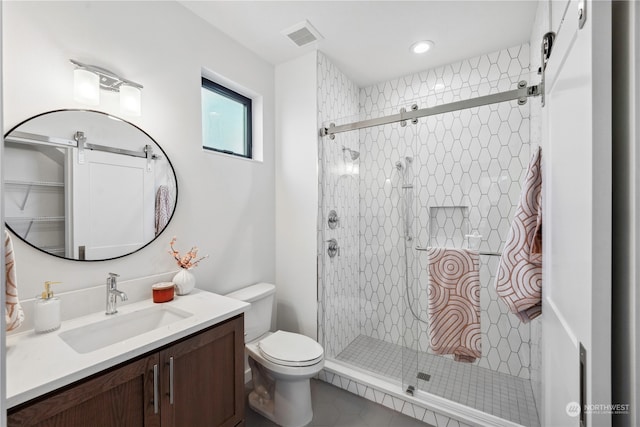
287 348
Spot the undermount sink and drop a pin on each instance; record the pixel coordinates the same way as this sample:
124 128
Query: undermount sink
120 327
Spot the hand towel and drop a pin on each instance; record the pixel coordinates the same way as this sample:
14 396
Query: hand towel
519 278
163 208
454 303
14 316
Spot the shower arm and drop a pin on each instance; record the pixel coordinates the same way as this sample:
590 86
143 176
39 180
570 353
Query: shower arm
521 94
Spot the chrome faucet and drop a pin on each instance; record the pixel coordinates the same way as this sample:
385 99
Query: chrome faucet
112 293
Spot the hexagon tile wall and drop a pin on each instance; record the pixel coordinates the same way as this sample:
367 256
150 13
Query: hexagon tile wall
338 290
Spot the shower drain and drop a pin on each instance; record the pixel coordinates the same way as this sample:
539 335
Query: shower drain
423 376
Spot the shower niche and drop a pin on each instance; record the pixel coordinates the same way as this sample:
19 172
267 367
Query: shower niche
448 226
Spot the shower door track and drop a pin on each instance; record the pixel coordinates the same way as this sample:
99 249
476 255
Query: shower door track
521 94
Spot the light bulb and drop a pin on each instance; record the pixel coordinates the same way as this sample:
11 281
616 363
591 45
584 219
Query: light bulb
422 46
130 100
86 87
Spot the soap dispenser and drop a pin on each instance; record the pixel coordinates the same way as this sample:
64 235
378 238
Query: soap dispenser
46 316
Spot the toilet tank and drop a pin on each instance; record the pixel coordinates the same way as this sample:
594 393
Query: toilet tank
257 320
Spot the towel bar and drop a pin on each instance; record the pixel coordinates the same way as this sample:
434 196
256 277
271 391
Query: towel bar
419 248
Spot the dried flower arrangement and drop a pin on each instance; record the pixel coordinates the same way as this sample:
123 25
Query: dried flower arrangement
186 261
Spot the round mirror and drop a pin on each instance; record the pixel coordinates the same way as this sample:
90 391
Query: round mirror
85 185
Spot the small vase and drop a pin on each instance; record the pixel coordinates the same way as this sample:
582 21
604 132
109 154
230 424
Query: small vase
185 281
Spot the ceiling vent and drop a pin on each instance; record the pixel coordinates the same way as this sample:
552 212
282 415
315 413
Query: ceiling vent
302 33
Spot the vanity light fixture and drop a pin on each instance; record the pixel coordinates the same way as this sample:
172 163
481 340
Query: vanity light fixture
130 100
86 87
421 46
89 79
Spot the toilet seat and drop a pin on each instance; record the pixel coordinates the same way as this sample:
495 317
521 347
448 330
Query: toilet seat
290 349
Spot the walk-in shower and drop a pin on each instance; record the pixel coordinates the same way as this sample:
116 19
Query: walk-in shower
451 178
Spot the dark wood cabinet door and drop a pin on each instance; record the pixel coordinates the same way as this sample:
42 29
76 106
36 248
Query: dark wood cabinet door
203 378
121 397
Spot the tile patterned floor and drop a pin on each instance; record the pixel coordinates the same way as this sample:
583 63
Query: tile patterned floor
493 392
334 407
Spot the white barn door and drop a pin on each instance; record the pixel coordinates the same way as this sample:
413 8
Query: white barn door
577 210
113 205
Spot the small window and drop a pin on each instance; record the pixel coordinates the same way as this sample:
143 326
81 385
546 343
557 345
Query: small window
226 120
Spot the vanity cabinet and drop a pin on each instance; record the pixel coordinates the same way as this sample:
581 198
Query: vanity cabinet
196 381
203 378
114 398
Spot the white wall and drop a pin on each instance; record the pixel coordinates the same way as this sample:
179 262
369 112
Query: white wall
226 205
297 194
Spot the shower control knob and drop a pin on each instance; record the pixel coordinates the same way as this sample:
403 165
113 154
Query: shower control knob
333 220
333 249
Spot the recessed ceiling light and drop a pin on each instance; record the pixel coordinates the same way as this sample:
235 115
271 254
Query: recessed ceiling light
422 46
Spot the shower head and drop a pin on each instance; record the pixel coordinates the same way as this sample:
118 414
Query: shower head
353 153
400 165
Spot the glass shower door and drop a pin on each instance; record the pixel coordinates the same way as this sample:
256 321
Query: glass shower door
413 299
338 243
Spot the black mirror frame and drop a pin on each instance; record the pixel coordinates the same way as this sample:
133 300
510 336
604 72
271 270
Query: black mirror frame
175 177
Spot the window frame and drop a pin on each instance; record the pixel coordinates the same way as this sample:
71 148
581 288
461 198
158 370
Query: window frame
241 99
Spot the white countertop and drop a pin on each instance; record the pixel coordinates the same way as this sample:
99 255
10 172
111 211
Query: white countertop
40 363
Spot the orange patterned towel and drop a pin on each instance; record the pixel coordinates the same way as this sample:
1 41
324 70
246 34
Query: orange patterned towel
519 278
454 303
12 309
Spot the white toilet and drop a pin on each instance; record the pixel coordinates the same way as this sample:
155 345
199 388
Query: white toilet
281 362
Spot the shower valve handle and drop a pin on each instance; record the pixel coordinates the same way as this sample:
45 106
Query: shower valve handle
333 249
333 220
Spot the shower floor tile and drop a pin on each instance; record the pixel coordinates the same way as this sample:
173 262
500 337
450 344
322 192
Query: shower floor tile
496 393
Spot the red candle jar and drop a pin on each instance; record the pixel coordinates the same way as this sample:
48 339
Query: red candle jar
163 292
